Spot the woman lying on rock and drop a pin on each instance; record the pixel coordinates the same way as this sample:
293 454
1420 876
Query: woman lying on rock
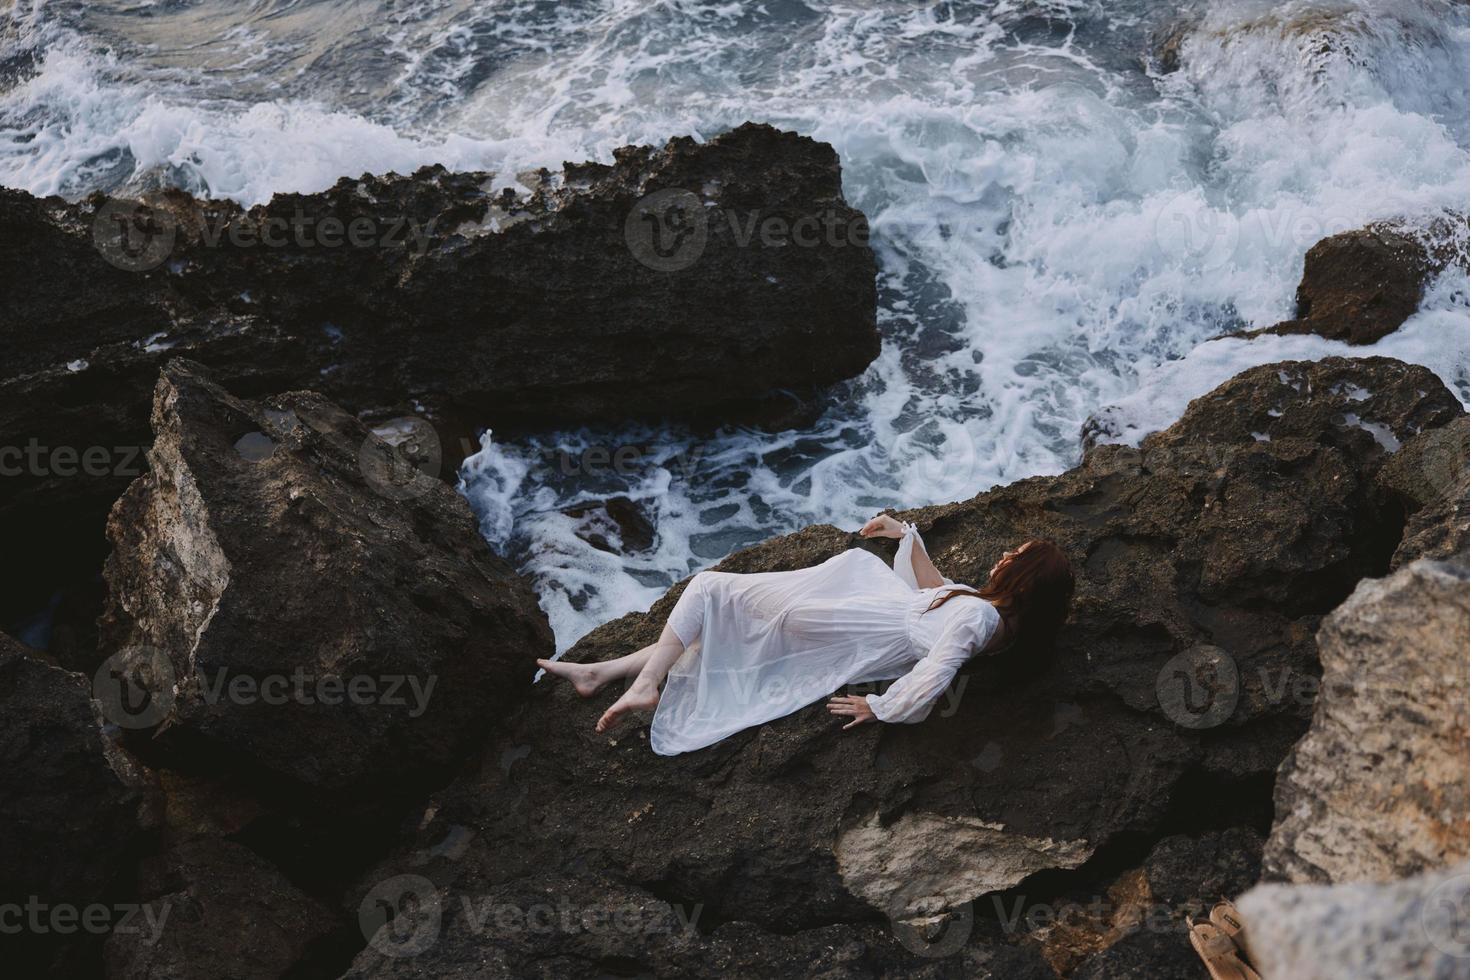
741 650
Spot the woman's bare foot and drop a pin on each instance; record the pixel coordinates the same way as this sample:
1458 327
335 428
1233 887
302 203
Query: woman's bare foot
639 697
586 678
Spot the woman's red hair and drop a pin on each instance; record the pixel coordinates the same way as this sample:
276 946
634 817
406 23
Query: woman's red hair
1035 586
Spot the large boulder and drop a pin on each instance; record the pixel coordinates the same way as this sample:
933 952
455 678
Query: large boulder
297 597
472 299
604 290
1360 286
1404 930
1380 786
75 808
1205 561
1367 407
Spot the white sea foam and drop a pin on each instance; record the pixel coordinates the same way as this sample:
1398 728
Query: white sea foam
1438 337
1059 234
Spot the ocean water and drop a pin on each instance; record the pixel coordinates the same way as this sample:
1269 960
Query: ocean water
1061 225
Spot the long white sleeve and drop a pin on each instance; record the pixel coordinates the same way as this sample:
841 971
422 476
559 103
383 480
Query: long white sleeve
910 698
903 562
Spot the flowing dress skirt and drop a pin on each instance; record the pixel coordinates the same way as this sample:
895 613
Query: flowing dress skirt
761 646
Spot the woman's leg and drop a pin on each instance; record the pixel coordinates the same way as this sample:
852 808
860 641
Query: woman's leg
642 694
589 678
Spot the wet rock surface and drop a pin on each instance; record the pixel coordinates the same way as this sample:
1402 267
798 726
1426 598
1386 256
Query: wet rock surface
292 593
1380 786
1206 560
1360 286
1366 407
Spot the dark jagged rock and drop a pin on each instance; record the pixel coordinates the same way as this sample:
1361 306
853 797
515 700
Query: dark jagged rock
327 612
211 908
615 525
603 292
1205 561
573 300
74 807
1360 286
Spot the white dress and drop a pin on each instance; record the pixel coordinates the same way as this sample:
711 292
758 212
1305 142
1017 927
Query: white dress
763 645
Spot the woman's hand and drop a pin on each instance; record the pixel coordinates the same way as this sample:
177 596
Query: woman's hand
852 706
882 526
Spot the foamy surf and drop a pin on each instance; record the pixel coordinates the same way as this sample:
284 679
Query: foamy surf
1061 229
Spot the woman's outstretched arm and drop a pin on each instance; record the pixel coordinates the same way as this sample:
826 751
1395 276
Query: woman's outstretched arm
910 698
912 556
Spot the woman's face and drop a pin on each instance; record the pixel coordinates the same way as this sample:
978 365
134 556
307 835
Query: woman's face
1006 558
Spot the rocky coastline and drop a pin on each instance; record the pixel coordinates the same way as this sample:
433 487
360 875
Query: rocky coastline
286 725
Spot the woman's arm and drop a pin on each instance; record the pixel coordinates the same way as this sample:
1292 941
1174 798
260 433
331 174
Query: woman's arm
911 556
925 573
910 698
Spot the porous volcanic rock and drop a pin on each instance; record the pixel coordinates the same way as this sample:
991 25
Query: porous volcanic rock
299 598
1205 562
1380 786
